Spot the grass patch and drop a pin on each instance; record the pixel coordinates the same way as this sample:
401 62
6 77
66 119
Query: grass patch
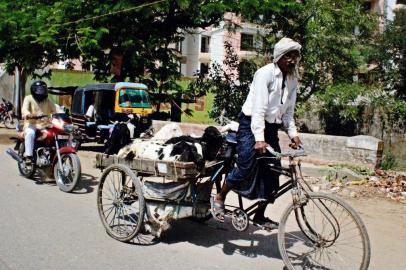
200 117
64 78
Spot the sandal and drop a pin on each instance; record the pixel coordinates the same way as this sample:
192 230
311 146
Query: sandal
217 210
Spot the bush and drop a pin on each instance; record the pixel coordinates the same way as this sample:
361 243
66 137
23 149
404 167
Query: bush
389 161
341 108
346 109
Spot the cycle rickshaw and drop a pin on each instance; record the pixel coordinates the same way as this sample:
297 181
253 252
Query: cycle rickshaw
316 231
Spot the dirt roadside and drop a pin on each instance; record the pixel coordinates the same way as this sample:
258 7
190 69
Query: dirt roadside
5 135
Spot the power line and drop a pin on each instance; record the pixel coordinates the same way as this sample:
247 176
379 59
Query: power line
114 12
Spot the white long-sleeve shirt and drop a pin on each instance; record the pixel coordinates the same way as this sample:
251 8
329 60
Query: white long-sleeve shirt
267 101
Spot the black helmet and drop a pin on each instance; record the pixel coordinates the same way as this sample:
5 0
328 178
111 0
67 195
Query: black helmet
39 90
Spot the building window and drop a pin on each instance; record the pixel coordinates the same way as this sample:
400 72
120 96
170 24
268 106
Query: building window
247 42
205 44
204 68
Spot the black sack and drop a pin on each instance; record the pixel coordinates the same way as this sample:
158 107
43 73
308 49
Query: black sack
120 137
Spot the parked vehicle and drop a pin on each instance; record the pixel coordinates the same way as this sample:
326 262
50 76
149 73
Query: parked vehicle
6 114
112 102
53 154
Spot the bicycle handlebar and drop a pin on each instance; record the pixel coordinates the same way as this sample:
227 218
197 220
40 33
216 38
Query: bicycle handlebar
296 153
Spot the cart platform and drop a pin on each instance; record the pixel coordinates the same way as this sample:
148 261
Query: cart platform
171 170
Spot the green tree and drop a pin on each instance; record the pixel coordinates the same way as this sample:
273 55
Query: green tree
390 52
21 44
229 83
336 38
133 36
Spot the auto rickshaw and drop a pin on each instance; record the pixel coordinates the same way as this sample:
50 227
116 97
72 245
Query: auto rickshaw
113 102
132 98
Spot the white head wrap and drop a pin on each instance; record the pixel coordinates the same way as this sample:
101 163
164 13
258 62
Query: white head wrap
284 46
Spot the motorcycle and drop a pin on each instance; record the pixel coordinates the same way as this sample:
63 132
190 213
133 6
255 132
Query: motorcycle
6 114
54 153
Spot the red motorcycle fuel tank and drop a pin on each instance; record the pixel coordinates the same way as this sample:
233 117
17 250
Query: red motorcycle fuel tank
49 133
58 122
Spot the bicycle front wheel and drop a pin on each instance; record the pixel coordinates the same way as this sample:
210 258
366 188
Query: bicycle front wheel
323 232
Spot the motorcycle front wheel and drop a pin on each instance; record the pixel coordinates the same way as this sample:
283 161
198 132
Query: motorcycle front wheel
26 169
68 178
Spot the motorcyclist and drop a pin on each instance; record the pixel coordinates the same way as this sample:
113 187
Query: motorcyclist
34 107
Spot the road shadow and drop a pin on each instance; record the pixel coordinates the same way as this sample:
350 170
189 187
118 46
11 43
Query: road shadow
251 243
86 184
41 178
92 147
144 239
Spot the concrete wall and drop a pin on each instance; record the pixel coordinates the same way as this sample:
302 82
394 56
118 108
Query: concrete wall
6 85
217 47
191 49
321 149
361 150
376 122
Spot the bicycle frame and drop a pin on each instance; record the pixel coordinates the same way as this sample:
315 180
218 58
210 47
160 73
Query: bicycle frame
293 172
224 169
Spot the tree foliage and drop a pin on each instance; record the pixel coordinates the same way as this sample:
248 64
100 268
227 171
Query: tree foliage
335 38
21 44
390 56
229 82
121 40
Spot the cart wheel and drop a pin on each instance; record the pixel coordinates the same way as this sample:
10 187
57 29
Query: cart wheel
120 202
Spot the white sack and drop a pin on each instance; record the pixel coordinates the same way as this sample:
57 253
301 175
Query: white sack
167 132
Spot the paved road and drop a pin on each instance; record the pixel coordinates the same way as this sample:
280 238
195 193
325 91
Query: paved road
44 228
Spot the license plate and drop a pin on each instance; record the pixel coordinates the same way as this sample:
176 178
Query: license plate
63 137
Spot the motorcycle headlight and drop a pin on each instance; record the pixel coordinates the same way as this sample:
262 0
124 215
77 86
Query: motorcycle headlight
68 128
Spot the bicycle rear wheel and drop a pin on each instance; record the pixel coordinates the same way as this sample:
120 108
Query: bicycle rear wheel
120 202
323 232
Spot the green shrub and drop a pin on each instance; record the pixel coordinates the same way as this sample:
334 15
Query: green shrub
389 161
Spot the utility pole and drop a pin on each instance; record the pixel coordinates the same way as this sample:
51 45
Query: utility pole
17 95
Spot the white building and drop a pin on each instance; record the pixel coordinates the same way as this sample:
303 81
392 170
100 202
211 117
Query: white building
385 8
206 46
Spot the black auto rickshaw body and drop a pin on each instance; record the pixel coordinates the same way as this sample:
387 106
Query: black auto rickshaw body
113 102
